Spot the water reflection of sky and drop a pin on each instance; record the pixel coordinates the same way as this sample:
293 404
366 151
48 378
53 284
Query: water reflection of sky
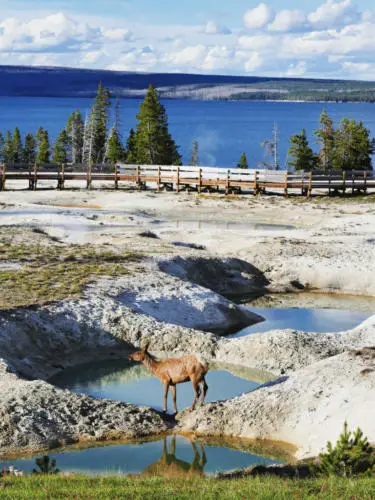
187 458
309 320
149 391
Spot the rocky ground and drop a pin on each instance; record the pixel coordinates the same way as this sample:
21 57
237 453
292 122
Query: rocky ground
194 254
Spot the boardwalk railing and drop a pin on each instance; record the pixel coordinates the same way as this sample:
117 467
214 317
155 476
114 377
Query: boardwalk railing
190 178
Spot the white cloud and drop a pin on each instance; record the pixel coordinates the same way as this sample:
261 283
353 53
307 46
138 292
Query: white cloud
213 28
259 17
334 40
48 33
288 20
333 13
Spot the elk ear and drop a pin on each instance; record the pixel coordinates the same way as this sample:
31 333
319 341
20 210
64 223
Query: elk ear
146 346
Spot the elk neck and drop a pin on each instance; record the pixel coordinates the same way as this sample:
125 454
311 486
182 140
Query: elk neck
150 364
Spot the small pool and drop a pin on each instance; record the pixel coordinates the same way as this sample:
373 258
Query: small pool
218 225
132 383
309 312
169 456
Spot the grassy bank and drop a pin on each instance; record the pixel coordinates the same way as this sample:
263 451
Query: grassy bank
197 488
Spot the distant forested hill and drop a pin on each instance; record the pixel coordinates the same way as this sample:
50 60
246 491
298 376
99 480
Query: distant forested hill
70 82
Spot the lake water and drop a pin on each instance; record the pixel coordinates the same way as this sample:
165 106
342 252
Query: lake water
223 129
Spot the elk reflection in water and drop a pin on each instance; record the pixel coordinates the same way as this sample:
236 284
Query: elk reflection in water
169 465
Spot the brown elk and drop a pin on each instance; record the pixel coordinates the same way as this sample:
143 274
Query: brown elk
173 371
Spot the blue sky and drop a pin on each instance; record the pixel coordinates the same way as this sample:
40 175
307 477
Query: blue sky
315 38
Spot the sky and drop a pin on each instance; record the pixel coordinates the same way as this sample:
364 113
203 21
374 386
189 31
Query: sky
313 38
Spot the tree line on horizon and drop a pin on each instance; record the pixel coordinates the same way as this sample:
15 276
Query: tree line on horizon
97 141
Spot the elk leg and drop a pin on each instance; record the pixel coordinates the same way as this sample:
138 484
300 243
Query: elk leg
166 389
197 391
174 398
205 389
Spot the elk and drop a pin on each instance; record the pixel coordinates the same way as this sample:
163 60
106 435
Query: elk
173 371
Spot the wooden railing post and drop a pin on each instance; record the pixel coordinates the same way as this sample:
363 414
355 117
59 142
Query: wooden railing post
344 181
227 187
159 179
256 188
286 184
365 181
138 181
36 167
2 178
178 180
309 189
200 181
329 182
116 176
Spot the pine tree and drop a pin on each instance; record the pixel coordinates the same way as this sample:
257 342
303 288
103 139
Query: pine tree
2 143
130 148
39 135
17 145
302 155
326 138
60 149
46 465
29 150
243 162
194 158
115 150
75 131
153 144
353 146
351 456
100 120
43 154
8 150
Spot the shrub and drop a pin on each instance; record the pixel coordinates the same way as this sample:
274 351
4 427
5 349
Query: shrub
46 465
352 455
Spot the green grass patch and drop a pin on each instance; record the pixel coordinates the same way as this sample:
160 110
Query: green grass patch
53 272
267 487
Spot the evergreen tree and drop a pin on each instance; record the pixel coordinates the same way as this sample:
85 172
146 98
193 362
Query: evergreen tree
130 148
60 149
43 154
8 150
243 162
17 145
353 146
2 143
39 135
29 150
194 158
302 155
75 131
115 150
100 120
46 465
351 456
153 143
326 138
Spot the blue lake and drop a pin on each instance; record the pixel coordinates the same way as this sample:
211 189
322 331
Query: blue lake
224 129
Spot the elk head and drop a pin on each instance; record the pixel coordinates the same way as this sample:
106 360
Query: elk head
140 355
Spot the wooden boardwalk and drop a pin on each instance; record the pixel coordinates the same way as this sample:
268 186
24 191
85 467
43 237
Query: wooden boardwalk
200 179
